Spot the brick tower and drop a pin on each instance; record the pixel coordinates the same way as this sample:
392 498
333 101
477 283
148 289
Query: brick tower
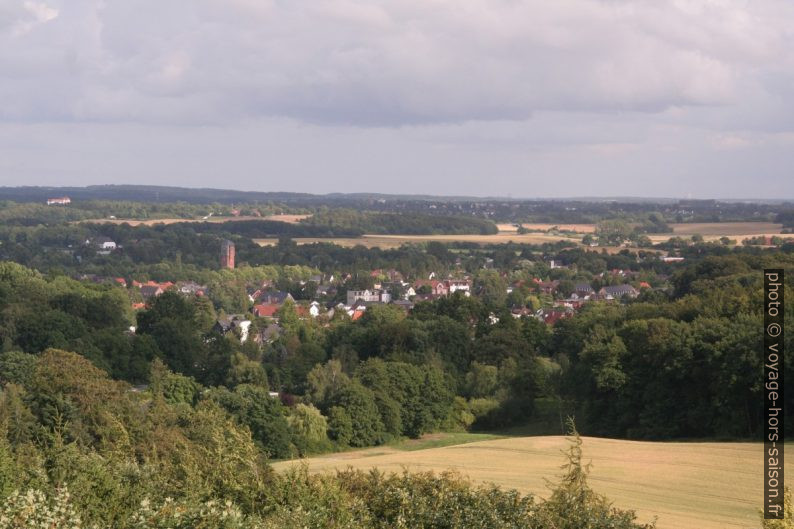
227 254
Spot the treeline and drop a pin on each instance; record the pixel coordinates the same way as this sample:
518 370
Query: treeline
148 194
38 213
399 224
560 211
786 218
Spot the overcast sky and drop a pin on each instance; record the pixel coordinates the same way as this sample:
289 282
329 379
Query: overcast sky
479 97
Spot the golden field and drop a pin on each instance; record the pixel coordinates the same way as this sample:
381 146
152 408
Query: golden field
686 485
730 229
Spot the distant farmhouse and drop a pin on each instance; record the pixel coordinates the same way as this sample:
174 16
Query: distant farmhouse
59 201
104 243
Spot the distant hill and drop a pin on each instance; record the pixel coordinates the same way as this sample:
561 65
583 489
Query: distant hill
140 193
149 193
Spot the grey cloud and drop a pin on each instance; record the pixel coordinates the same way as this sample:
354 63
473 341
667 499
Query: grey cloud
385 63
482 97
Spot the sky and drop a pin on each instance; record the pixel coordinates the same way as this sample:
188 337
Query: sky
651 98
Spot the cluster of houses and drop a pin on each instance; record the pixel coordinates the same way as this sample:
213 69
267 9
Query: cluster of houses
563 307
388 287
152 289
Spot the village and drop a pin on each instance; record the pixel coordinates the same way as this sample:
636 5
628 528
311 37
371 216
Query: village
333 296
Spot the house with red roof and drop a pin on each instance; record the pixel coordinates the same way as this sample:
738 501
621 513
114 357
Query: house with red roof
266 310
437 288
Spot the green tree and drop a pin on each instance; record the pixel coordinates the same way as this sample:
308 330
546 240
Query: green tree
481 380
340 425
324 382
574 505
359 404
491 288
265 416
309 428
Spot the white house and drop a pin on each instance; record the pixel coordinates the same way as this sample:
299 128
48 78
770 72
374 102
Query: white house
462 285
103 243
367 296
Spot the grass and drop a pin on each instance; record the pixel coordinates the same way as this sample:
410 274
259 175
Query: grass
439 440
692 485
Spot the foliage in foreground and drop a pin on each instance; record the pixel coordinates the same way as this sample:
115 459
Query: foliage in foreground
81 451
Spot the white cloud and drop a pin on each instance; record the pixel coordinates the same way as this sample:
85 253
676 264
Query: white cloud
18 18
730 142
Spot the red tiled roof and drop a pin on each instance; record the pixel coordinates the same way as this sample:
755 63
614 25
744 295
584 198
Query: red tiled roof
266 310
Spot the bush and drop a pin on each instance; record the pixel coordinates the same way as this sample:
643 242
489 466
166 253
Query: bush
34 509
482 408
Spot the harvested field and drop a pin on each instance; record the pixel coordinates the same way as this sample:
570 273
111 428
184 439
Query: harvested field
290 219
730 229
713 231
687 485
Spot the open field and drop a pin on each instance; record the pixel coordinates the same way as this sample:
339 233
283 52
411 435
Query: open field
508 233
707 229
291 219
727 228
687 485
713 231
